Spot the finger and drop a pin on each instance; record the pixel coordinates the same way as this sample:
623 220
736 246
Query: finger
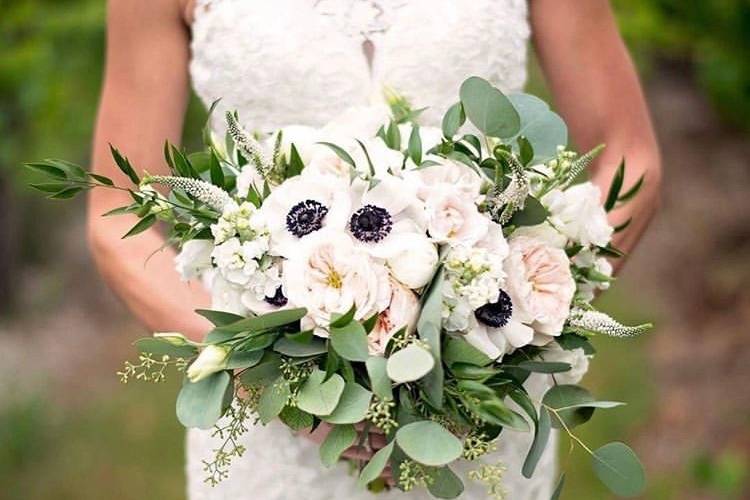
357 453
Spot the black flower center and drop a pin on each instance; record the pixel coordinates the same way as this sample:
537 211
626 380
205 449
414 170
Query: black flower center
496 314
305 217
370 223
278 299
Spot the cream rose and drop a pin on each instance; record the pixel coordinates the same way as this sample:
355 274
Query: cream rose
540 285
328 274
576 358
453 218
403 311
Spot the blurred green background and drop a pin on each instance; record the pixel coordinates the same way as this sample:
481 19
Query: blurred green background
68 430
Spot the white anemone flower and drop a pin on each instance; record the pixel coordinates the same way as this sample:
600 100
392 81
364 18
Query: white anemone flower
301 207
497 329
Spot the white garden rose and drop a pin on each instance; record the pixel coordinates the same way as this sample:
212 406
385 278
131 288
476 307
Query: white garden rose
543 232
415 262
445 174
578 213
453 218
403 311
540 286
576 358
302 206
194 259
328 274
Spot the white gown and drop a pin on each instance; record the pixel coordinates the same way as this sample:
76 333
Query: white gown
281 62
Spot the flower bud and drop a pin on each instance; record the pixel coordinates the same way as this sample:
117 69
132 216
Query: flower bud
212 359
174 338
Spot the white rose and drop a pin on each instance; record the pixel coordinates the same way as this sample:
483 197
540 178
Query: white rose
446 174
328 274
325 162
212 359
403 311
540 286
576 358
579 214
543 232
414 265
454 218
194 259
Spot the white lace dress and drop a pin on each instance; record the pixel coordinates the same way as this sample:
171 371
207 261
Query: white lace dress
281 62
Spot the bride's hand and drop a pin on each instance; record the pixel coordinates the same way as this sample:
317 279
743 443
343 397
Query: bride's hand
374 441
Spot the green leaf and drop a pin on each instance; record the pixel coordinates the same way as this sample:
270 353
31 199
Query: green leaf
350 341
273 399
473 372
570 341
296 419
201 404
533 213
267 321
141 226
376 465
429 443
239 360
453 119
457 350
558 489
573 404
415 145
393 136
541 437
101 179
618 467
124 165
352 407
409 364
541 127
339 320
296 165
429 328
339 152
219 318
318 397
337 441
630 193
502 415
489 109
445 483
51 187
159 347
545 366
265 372
295 349
623 226
66 194
216 336
44 168
215 170
475 388
379 381
615 187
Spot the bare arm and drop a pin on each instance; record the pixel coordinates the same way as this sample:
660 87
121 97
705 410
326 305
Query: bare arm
142 105
597 91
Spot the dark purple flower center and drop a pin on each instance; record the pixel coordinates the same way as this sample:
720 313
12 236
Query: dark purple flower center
305 217
370 223
278 299
496 314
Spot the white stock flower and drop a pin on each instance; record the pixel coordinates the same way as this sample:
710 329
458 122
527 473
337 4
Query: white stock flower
579 214
576 358
236 261
328 274
540 286
301 207
587 260
226 296
240 220
212 359
402 311
261 293
194 259
453 218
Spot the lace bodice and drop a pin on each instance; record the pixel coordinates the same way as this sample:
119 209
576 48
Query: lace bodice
285 62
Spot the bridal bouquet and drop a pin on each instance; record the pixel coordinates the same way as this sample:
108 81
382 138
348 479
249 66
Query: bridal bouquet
379 273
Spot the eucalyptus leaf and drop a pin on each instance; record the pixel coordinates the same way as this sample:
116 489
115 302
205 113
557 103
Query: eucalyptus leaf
410 364
339 320
294 349
541 437
264 372
352 407
239 360
159 348
379 381
573 404
267 321
618 467
502 415
540 126
545 366
318 397
558 489
376 465
457 350
295 419
350 341
489 109
429 443
532 213
273 399
336 442
200 404
445 483
429 328
219 318
453 119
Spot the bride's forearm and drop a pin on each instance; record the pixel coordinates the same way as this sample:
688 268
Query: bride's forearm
142 274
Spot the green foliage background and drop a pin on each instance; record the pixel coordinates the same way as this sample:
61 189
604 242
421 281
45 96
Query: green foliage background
126 441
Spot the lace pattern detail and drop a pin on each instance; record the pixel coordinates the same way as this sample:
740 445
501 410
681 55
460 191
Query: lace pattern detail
365 18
